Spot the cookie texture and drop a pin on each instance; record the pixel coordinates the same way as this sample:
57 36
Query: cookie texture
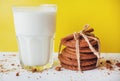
81 50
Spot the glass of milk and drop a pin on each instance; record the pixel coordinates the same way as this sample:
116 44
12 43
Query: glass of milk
35 30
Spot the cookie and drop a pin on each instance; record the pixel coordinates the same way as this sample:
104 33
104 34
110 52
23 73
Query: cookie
72 55
81 50
71 62
69 41
84 68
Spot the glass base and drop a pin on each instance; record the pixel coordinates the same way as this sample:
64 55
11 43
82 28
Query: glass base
37 68
35 52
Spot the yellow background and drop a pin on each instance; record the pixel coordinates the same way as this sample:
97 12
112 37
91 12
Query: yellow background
102 15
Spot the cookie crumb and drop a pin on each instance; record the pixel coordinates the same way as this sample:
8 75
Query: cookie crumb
1 71
101 63
18 65
34 70
12 64
108 61
118 64
1 66
39 76
17 74
13 54
109 66
108 73
58 68
47 73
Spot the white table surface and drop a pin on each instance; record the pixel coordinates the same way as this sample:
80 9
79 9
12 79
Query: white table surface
7 59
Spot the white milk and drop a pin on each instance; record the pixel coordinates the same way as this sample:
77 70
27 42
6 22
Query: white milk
35 29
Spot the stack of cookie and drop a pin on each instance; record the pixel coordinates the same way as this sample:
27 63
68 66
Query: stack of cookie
88 51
